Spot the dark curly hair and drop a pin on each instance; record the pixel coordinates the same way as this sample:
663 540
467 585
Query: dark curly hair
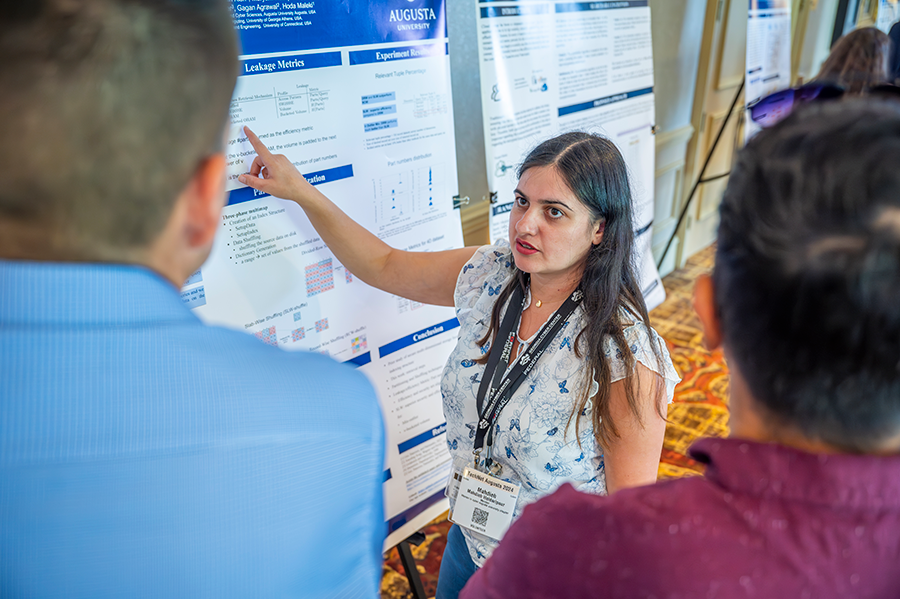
807 272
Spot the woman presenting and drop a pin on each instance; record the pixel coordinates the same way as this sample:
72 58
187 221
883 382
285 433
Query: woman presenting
556 376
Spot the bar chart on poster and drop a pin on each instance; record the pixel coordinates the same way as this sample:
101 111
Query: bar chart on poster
357 95
551 67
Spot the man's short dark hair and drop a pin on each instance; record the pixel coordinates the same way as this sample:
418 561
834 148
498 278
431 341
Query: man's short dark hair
107 108
807 271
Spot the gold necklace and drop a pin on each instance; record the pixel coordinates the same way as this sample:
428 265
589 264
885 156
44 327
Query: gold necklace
538 303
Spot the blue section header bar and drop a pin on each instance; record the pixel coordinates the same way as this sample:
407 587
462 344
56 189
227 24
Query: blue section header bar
769 5
268 27
328 175
298 62
422 438
580 6
489 12
394 346
774 14
361 360
246 194
410 513
604 101
501 208
401 53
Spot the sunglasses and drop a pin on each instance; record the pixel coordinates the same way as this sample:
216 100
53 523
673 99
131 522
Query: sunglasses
768 110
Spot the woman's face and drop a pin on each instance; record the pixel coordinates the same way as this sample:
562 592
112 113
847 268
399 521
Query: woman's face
550 230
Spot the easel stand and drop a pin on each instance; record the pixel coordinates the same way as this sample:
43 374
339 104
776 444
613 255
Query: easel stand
700 180
409 564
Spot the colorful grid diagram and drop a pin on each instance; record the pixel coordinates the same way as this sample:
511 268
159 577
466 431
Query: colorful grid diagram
321 325
298 334
268 336
358 345
319 277
349 275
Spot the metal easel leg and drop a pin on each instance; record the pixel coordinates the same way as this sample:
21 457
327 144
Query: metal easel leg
409 564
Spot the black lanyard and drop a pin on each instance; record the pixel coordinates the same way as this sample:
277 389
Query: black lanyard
497 384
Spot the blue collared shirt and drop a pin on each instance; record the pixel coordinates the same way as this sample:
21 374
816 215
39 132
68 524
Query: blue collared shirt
143 453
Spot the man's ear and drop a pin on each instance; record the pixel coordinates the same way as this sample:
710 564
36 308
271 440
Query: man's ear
204 198
705 307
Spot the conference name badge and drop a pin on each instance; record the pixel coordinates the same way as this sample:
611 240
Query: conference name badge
484 504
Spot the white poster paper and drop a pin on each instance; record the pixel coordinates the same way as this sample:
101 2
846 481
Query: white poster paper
888 14
357 95
551 67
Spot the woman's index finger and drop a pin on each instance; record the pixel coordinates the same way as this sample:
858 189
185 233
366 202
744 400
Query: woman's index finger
257 144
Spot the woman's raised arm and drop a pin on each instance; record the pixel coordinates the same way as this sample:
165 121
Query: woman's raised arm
428 277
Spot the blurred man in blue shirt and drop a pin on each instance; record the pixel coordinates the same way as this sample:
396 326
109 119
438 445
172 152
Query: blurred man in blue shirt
141 452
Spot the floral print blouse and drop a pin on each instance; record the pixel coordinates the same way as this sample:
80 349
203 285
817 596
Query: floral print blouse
531 442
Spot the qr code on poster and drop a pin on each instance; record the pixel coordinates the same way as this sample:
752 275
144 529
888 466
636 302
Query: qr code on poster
479 517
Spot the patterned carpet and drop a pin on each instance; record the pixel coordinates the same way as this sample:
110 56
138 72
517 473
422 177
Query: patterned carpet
700 410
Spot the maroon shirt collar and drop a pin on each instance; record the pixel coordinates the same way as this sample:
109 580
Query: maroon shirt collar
778 472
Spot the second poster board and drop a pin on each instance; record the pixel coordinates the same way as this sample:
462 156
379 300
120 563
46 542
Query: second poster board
551 67
768 66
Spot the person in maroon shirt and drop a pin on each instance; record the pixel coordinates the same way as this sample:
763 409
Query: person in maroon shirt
804 499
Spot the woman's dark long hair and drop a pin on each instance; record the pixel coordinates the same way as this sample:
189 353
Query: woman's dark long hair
594 170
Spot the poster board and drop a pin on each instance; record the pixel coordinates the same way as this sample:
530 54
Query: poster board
888 14
357 94
768 66
551 67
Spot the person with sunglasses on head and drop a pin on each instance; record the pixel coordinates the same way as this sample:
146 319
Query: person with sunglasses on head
803 499
857 66
556 376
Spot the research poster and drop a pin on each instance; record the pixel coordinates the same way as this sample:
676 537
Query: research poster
888 14
551 67
357 95
768 52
